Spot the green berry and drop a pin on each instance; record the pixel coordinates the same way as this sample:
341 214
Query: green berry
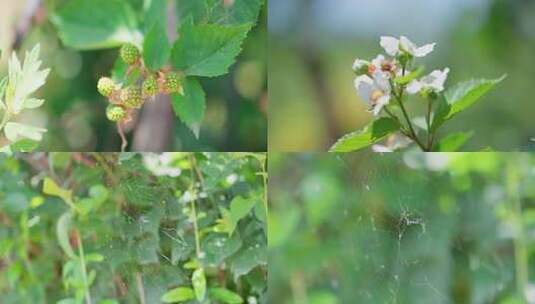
172 83
115 113
132 98
129 53
105 86
150 86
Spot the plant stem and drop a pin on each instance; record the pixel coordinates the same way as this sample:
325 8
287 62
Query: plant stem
298 287
428 122
84 269
140 288
521 253
124 141
411 128
264 178
399 99
193 210
402 127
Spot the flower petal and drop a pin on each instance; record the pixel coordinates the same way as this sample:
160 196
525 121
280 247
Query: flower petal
380 103
381 81
378 61
407 45
390 44
436 79
414 87
424 50
364 86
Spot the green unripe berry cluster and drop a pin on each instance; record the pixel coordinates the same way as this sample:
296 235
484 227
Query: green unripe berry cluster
125 97
131 97
106 86
172 83
129 53
150 86
115 113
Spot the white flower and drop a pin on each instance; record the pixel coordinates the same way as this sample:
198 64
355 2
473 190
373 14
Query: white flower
434 82
379 63
394 47
360 64
374 92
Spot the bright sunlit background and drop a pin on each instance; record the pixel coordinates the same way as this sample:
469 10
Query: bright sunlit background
313 44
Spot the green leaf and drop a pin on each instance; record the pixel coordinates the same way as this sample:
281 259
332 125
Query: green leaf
217 11
208 50
96 24
15 131
62 231
156 47
139 191
180 294
3 85
94 257
108 301
240 207
460 97
218 247
155 11
453 142
409 77
198 279
371 134
224 295
24 145
51 188
190 107
247 259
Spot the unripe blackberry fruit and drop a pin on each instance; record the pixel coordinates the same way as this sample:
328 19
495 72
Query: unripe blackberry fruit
172 83
129 53
131 97
105 86
150 86
115 113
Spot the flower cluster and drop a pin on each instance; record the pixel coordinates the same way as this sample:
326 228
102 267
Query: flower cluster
383 78
142 84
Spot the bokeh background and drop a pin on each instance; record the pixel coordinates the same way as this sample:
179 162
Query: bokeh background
402 228
74 113
313 43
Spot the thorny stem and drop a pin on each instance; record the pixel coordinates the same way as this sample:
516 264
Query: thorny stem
124 142
521 252
84 269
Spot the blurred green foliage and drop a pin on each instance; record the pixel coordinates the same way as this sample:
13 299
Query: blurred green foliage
74 112
402 228
313 98
129 228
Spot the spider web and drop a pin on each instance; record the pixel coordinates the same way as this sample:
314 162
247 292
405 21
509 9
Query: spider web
405 249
